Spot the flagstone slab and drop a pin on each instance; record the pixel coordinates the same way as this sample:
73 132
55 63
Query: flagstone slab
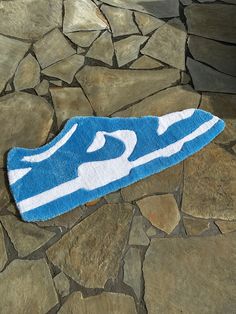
3 252
120 20
133 270
209 184
4 191
51 48
83 39
62 284
67 220
91 252
29 19
42 88
215 21
25 237
102 49
83 15
172 99
127 49
111 89
167 181
226 226
207 79
146 62
161 210
25 121
69 102
27 74
195 226
12 52
223 106
66 68
158 8
104 303
147 23
27 287
217 55
196 274
137 235
167 44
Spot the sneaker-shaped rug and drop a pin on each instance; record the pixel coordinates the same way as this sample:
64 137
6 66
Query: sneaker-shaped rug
93 156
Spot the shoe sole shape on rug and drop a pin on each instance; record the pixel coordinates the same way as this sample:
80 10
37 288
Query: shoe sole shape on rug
93 156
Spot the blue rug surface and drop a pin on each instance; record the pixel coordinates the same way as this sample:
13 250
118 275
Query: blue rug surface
93 156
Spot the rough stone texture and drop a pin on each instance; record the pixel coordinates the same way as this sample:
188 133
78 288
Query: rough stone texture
223 58
90 253
167 44
127 49
185 78
62 284
133 270
194 226
102 49
69 102
223 106
56 82
209 184
151 231
120 20
12 51
105 303
216 21
163 182
51 48
3 252
147 23
8 88
146 62
109 89
4 192
25 237
169 100
226 226
27 287
83 39
207 79
66 220
161 210
25 121
137 234
29 19
162 9
196 274
27 74
42 88
82 15
66 68
114 197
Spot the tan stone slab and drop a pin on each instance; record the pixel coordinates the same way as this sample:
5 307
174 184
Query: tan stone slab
196 274
161 210
27 287
91 252
104 303
110 89
210 184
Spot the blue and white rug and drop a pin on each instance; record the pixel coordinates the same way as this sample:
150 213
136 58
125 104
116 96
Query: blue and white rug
93 156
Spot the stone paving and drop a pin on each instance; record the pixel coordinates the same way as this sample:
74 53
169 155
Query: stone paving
166 244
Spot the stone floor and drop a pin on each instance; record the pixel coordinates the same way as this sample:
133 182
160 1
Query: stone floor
166 244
